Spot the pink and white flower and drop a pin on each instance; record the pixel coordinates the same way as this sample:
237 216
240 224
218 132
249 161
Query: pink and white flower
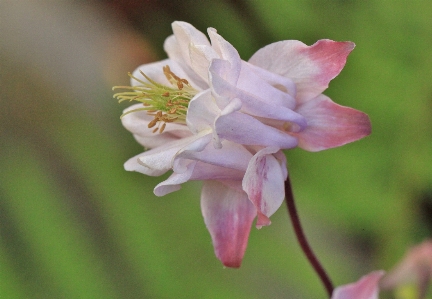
366 288
415 268
225 121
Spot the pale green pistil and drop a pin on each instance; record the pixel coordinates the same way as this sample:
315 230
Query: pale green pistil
166 104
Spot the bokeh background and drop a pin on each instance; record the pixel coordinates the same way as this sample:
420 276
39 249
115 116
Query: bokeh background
74 224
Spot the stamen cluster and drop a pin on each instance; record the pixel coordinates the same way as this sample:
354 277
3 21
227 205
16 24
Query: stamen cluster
166 104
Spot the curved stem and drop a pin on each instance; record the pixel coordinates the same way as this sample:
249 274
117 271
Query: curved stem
295 220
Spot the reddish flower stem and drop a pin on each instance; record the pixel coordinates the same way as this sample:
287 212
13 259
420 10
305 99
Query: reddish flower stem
295 220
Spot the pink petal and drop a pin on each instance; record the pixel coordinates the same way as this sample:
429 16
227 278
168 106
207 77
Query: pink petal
365 288
251 104
245 129
228 215
264 184
330 125
415 268
310 67
205 171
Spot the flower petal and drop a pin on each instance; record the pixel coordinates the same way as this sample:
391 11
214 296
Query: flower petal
415 268
228 215
245 129
155 72
264 184
251 104
330 125
272 88
201 56
231 155
157 161
187 34
365 288
172 48
202 112
310 67
228 53
175 180
137 123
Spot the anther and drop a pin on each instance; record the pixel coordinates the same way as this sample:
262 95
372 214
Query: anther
152 123
162 128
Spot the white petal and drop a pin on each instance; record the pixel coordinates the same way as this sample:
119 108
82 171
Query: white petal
174 181
187 34
200 57
137 123
228 53
159 160
172 48
202 112
155 72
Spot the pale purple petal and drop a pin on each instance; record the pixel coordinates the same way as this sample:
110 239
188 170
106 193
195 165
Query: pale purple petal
365 288
230 155
245 129
310 67
330 125
228 215
264 184
267 90
228 53
280 82
251 104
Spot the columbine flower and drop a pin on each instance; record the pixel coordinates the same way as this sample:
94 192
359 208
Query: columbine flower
415 268
208 115
365 288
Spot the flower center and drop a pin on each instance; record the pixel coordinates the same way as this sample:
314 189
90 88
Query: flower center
166 104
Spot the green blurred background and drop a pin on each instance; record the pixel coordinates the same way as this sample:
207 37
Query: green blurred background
74 224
